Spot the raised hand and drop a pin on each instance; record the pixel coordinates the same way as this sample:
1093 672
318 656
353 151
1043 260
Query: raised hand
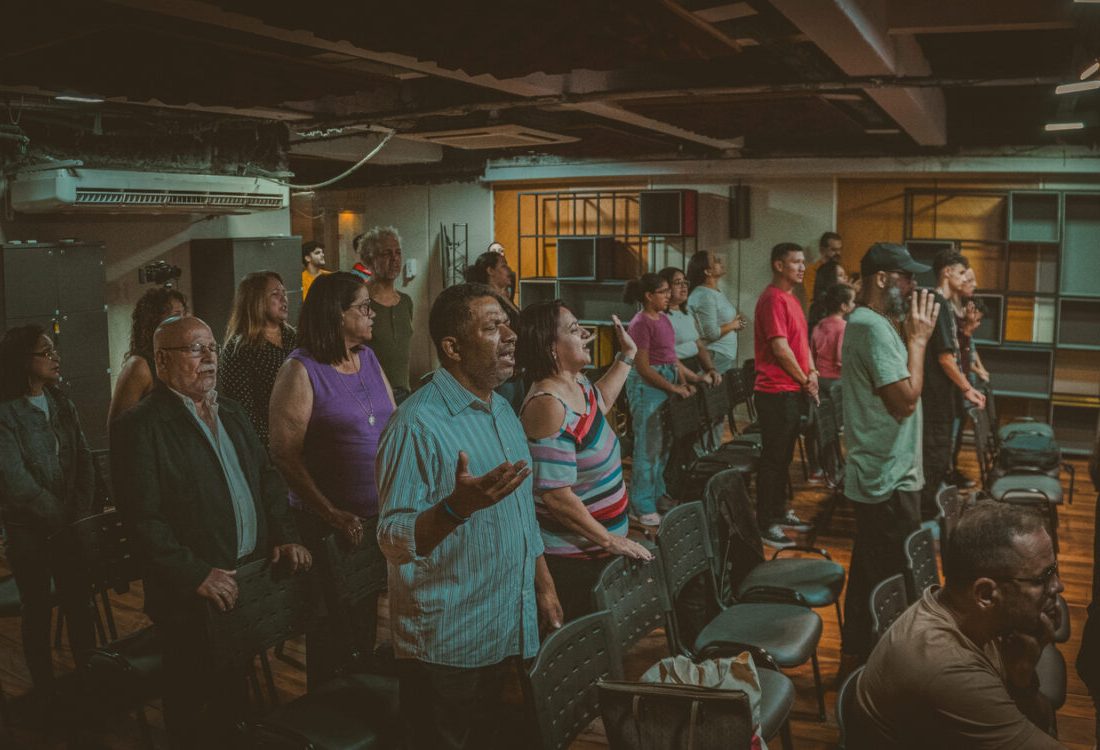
921 321
626 344
472 493
220 587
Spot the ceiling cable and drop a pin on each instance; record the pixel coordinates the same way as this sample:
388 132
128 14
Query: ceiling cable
357 165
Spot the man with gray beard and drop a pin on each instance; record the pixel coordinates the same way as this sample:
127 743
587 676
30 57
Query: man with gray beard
882 382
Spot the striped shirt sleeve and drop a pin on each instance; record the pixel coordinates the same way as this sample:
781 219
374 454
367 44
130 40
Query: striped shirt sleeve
405 465
554 462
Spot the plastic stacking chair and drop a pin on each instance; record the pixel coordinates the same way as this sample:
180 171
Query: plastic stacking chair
788 633
888 601
688 472
126 672
346 713
950 506
742 571
561 685
635 596
845 703
830 454
921 570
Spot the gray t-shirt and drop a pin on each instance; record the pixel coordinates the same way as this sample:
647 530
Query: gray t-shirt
884 454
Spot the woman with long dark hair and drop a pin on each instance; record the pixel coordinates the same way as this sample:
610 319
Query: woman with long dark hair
257 341
656 376
829 275
580 496
691 348
330 403
46 482
139 373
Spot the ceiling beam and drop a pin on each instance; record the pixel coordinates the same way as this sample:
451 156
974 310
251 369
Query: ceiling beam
536 85
909 17
854 37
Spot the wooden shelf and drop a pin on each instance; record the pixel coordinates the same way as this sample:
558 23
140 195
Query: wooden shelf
1076 374
1081 247
1019 372
1079 323
1075 427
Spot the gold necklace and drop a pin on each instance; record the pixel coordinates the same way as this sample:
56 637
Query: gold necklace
370 414
894 323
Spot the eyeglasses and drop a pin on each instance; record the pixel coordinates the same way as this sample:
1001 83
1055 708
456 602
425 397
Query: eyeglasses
907 275
663 290
48 354
196 349
680 282
362 307
1043 579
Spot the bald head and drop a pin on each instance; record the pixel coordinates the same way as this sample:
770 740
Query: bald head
185 356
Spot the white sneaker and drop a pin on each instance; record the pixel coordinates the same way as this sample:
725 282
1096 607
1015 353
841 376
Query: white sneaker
650 519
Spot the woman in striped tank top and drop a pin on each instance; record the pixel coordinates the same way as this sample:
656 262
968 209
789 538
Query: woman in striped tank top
580 496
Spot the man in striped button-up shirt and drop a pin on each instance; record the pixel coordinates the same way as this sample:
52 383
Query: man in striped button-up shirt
467 580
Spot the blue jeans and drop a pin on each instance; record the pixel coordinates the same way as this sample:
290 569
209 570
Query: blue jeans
647 482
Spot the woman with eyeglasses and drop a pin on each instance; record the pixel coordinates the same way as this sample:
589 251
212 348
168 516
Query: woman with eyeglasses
139 373
46 482
329 406
257 342
580 496
657 374
691 347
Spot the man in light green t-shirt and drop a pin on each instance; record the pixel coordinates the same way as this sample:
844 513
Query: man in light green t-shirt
882 379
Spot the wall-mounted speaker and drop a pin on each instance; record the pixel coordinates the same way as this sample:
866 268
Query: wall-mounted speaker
668 212
740 212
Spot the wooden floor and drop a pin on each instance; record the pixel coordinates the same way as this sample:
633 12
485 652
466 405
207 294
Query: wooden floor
1075 721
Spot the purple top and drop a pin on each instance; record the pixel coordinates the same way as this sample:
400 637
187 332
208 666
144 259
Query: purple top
655 336
341 443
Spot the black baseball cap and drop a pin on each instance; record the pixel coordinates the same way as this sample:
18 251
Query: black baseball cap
886 256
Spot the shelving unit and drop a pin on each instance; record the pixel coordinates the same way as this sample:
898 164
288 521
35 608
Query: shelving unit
1036 254
582 247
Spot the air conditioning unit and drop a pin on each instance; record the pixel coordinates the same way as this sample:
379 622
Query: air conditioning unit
120 191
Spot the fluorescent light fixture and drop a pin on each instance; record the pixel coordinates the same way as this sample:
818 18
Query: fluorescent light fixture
1077 88
881 131
80 98
1054 127
1091 69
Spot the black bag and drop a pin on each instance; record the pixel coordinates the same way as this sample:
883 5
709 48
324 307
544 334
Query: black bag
660 716
1032 449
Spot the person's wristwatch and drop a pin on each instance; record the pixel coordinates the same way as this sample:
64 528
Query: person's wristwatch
628 361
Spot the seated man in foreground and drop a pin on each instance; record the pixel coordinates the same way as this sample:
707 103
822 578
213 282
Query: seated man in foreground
957 669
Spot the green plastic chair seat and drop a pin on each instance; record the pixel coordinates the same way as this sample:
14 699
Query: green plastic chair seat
789 633
776 701
818 581
1048 485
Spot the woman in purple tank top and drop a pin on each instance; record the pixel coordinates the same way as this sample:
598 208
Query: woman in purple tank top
329 405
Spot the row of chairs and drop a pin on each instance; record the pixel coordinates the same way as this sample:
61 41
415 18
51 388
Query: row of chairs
677 591
891 597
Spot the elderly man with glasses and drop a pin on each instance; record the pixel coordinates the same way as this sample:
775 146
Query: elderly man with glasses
200 497
957 669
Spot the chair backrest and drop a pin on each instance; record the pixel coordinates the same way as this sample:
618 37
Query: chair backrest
634 594
920 562
351 576
101 465
684 419
950 506
684 544
716 408
888 601
983 443
734 534
739 386
830 419
845 702
561 684
272 606
99 549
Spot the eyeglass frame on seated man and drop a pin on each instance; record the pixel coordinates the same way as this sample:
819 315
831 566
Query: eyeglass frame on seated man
196 349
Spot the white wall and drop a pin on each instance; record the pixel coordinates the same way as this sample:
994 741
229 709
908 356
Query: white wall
417 212
782 210
133 241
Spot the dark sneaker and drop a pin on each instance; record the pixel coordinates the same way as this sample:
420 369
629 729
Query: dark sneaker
790 520
774 537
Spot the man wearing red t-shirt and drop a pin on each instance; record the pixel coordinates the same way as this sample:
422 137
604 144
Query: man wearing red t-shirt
784 371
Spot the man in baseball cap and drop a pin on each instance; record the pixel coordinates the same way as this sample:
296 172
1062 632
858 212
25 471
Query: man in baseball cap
882 379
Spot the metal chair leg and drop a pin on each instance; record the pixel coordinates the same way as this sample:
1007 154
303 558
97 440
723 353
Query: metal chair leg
785 734
269 678
819 687
839 615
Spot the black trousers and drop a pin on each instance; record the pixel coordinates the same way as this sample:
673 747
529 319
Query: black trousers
456 708
780 416
877 554
574 578
29 557
939 439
